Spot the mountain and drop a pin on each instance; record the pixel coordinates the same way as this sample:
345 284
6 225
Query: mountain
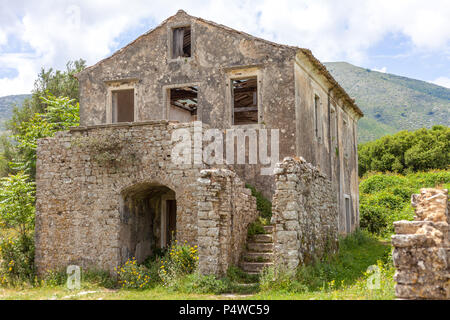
391 103
6 106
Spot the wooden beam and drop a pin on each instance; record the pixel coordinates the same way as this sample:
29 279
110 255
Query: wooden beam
245 109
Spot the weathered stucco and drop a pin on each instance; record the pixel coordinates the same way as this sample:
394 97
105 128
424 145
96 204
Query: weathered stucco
288 80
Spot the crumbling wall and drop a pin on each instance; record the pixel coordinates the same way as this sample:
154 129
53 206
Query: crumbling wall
83 177
422 249
304 212
225 210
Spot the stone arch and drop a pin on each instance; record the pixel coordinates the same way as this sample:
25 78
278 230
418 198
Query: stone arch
153 212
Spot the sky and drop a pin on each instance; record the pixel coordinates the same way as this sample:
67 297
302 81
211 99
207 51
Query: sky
405 37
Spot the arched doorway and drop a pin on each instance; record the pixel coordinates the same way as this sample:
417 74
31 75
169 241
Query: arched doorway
148 214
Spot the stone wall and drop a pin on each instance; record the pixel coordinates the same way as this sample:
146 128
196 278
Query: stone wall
422 249
304 213
225 210
96 184
100 191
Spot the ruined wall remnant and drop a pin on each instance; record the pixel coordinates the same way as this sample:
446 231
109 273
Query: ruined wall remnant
98 201
101 192
422 249
225 210
305 213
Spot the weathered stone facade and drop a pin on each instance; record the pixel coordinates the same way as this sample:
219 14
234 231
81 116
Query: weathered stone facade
110 189
305 213
225 209
422 248
295 94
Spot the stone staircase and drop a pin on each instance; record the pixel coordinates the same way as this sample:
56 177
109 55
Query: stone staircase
259 252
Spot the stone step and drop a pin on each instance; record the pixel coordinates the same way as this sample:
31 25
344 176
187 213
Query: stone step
259 246
261 238
258 256
269 229
254 267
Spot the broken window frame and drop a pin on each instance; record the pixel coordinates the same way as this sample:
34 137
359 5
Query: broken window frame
167 98
251 108
172 30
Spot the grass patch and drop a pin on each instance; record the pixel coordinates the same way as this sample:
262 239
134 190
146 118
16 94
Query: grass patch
342 276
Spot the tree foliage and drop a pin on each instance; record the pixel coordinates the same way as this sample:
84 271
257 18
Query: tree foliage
55 82
52 106
61 114
17 195
385 198
406 152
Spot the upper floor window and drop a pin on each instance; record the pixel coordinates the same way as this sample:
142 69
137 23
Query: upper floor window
123 105
182 103
181 42
317 119
245 100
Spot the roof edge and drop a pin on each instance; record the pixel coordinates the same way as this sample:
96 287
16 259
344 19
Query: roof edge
324 71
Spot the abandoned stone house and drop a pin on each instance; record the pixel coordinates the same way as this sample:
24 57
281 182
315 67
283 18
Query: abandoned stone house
108 190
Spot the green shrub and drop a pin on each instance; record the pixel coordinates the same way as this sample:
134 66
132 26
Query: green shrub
17 260
385 198
89 277
263 205
256 227
197 283
133 276
54 278
406 152
179 260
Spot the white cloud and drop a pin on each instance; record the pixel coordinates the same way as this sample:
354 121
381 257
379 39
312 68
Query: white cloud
382 70
335 30
442 81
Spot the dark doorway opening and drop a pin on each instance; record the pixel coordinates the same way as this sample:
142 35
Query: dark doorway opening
148 220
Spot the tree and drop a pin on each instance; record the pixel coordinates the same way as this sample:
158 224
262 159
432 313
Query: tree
55 82
48 83
407 151
17 203
61 113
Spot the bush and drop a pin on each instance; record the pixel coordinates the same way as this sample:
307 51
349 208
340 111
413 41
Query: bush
406 152
197 283
385 198
179 260
263 205
256 227
133 276
17 203
17 260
